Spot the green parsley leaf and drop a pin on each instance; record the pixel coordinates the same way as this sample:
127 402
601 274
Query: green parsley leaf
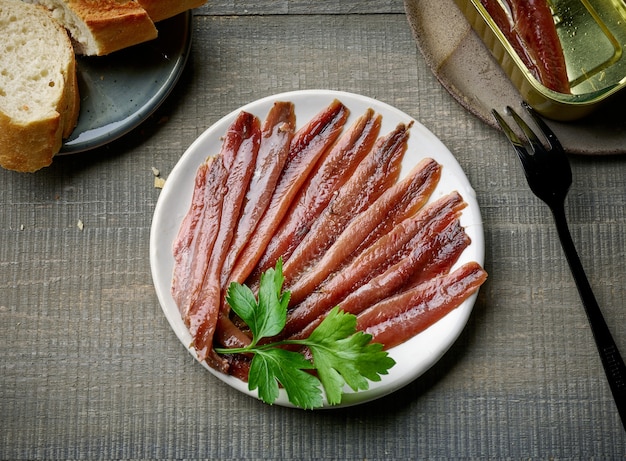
273 366
340 354
343 355
267 317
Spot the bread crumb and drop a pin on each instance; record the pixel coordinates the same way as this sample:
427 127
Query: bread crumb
80 225
159 182
21 227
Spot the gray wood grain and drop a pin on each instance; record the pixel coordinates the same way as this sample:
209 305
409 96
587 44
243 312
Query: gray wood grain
89 367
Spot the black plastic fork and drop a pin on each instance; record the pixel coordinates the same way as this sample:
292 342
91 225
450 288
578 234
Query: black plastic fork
549 176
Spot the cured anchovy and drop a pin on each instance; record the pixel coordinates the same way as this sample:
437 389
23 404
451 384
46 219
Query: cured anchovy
430 257
239 177
333 171
400 317
238 154
192 247
308 144
227 334
185 245
197 305
422 180
376 173
277 133
398 202
531 32
374 260
239 366
443 260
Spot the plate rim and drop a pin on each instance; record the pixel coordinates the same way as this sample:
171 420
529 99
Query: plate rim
470 218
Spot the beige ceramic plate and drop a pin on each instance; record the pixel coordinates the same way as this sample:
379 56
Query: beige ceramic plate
464 66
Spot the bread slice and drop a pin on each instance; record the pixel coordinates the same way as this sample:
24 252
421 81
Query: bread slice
159 10
100 27
39 100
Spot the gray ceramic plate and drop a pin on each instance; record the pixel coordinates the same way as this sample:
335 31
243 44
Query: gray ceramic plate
120 91
466 69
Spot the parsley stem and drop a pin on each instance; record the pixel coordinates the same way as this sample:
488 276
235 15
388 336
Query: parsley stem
255 347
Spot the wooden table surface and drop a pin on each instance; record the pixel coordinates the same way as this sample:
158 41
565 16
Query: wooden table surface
89 367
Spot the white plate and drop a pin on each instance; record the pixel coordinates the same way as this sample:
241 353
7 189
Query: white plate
413 357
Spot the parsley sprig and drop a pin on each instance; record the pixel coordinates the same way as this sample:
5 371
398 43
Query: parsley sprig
340 354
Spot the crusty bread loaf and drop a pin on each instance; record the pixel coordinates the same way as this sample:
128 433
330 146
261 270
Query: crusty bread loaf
39 99
100 27
159 10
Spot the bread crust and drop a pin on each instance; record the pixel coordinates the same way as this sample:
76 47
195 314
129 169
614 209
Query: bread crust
28 147
101 27
114 24
159 10
71 109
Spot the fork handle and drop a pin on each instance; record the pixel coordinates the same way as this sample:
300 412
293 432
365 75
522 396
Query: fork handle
609 354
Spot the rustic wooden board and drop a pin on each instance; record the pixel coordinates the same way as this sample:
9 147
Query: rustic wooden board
90 368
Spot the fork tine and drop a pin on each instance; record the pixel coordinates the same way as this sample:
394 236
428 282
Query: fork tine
507 129
553 141
515 141
530 134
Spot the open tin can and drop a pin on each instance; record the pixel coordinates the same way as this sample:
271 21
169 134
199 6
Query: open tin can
592 35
